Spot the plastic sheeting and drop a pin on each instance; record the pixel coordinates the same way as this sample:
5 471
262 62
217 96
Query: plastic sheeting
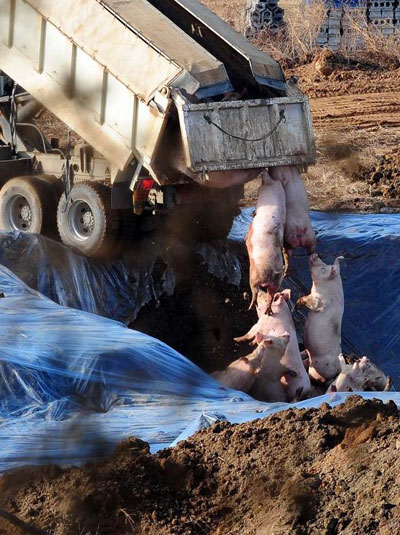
370 245
73 384
116 290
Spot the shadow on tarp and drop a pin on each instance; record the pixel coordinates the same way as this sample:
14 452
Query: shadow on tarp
117 289
371 279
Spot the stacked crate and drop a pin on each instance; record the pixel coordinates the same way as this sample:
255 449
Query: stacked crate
396 21
354 24
382 14
329 36
262 15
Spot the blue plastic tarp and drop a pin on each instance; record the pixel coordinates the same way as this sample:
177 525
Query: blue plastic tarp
116 290
73 384
370 245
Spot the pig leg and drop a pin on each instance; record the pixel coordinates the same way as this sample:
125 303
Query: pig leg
287 256
270 299
248 337
310 302
388 385
303 301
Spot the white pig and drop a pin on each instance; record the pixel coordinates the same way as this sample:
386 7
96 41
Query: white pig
267 385
361 376
239 375
265 240
322 331
298 229
276 324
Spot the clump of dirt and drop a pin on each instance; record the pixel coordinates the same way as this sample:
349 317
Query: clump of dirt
384 176
299 472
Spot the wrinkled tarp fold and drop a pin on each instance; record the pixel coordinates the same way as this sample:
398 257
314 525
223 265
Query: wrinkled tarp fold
73 384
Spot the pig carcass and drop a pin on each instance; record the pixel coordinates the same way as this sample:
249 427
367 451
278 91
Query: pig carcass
297 385
322 331
298 229
240 374
267 385
360 376
265 240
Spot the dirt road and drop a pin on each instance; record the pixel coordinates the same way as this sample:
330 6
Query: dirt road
368 111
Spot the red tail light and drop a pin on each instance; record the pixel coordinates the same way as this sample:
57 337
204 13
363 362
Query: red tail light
146 183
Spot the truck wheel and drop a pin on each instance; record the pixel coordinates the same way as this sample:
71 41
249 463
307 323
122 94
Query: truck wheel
26 204
88 222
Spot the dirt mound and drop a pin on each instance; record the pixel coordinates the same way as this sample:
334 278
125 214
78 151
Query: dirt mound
384 177
318 471
346 76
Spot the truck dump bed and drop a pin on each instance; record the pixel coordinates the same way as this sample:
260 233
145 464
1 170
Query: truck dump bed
125 77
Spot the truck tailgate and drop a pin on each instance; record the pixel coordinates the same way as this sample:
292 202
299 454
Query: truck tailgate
247 134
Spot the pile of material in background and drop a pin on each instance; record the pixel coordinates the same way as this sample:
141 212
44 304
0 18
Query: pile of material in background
346 23
261 16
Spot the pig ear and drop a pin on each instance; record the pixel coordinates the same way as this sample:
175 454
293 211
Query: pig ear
286 336
338 259
287 294
333 273
259 338
342 362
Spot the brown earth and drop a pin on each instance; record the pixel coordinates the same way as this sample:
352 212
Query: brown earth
310 472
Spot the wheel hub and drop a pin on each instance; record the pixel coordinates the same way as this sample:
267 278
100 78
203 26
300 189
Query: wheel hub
19 213
81 220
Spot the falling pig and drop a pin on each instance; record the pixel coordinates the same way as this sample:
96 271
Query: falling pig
240 374
268 382
265 240
297 383
360 376
322 331
298 229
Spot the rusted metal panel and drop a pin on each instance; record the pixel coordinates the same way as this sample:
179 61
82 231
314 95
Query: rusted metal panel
271 132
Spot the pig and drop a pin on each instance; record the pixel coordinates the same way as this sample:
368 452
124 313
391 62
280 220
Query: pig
265 240
298 229
228 179
267 385
360 376
322 331
240 374
280 321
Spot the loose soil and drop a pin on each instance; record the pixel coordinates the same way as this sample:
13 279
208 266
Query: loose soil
300 472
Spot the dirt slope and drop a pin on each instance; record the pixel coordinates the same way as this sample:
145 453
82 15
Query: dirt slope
312 472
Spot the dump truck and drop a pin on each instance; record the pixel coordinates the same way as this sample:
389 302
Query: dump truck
175 112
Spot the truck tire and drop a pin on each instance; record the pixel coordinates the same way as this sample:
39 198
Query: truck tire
88 222
27 204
